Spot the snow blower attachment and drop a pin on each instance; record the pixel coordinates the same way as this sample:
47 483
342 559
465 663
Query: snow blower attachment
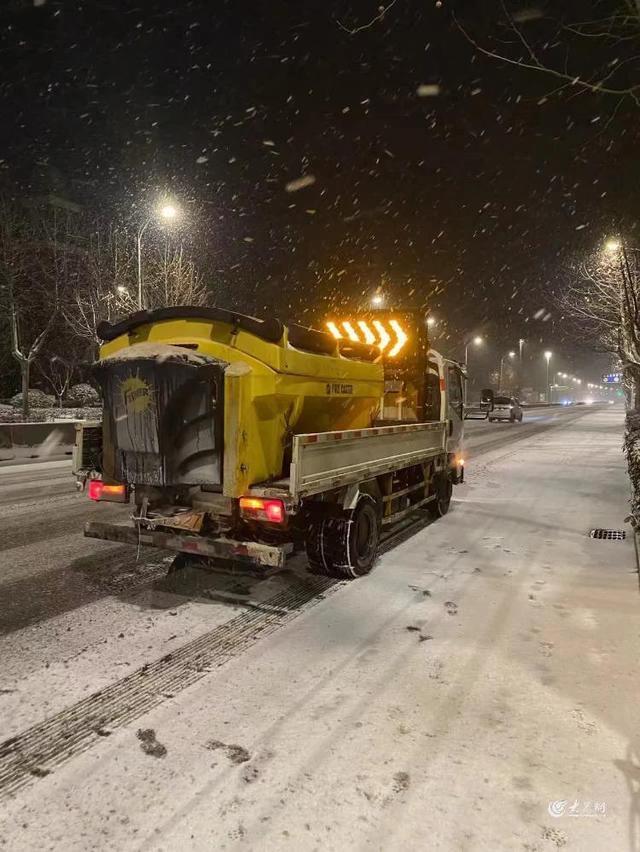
239 439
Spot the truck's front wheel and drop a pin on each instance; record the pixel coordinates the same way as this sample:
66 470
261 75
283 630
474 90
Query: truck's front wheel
345 546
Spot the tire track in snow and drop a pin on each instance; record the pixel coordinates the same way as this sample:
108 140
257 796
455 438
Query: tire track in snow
40 749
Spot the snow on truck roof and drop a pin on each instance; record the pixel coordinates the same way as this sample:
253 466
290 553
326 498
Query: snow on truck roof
159 352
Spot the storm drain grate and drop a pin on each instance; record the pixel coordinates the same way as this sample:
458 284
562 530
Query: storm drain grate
609 535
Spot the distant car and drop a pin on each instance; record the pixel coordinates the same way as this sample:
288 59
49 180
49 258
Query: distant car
506 408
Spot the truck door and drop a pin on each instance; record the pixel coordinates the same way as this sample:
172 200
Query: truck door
455 407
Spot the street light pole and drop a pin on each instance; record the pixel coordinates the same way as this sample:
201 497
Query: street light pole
139 241
520 350
477 341
167 212
508 355
547 355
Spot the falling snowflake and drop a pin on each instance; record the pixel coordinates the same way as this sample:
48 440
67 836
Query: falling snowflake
524 15
202 159
428 90
300 183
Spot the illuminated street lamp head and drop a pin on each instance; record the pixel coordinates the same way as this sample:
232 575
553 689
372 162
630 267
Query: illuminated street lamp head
431 321
377 300
512 354
612 246
478 341
547 355
579 381
121 288
169 212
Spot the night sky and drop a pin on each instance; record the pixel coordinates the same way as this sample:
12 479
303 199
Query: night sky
445 177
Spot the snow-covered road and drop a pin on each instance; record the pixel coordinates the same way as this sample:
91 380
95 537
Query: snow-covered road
487 667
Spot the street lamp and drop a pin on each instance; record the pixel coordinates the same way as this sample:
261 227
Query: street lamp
508 355
477 341
431 321
612 246
547 356
168 213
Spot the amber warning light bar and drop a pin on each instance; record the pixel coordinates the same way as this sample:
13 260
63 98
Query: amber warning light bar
387 334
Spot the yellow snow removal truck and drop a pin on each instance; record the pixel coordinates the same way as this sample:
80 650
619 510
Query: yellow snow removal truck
235 438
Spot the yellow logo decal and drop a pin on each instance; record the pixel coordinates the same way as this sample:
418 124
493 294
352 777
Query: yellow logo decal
137 396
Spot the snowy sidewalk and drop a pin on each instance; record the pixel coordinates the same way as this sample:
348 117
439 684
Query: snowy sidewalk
486 668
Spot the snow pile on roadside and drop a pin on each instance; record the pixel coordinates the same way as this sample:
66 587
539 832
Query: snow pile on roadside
9 414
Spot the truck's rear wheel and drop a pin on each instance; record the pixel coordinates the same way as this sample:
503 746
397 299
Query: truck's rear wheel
345 546
443 487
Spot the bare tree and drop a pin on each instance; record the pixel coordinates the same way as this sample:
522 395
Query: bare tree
33 262
598 54
103 292
62 358
107 290
58 372
173 279
605 306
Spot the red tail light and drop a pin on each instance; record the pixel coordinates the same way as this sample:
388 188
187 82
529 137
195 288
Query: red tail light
262 509
274 510
95 489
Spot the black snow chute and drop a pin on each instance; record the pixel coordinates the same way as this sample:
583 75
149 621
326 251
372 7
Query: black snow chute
163 416
270 329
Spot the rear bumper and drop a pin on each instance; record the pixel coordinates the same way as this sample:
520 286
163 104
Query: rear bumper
252 552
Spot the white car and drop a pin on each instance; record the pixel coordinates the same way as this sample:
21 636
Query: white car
505 408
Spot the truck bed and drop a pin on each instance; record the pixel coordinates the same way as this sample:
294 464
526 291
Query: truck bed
325 460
